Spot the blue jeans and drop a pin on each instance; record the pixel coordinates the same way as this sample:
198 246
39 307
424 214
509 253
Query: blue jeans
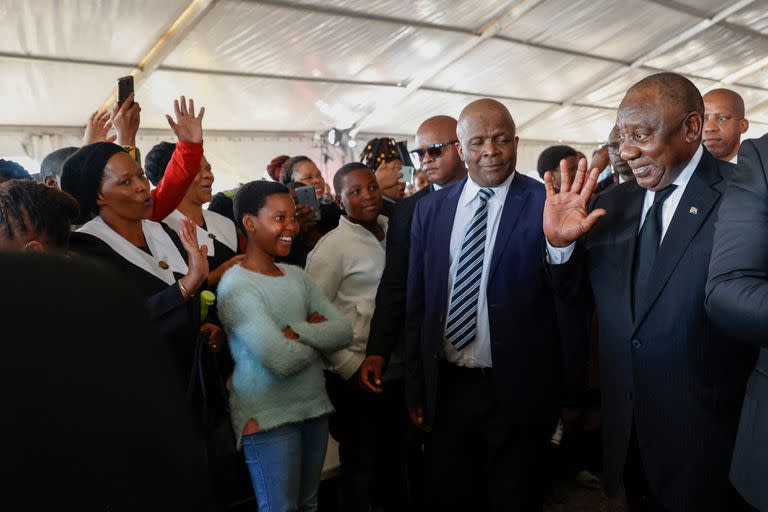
286 463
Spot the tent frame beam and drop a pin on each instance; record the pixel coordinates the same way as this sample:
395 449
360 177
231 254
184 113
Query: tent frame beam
682 37
166 43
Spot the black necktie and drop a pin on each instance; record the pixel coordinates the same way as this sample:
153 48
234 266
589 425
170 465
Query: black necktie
648 242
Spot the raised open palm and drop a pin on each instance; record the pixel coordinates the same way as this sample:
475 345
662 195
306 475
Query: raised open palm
187 127
565 212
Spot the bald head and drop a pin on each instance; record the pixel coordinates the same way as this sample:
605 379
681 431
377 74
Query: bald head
480 109
445 126
731 98
660 124
724 123
437 151
488 144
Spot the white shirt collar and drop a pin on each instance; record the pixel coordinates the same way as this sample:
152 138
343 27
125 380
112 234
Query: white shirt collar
436 187
735 159
685 175
471 189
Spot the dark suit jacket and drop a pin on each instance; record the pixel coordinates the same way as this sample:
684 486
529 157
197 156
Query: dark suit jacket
93 419
388 322
737 301
681 377
176 320
524 334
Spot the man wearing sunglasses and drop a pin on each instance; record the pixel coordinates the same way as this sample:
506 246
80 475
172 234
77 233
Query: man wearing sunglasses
437 156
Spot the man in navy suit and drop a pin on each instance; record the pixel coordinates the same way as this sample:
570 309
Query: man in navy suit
483 361
672 382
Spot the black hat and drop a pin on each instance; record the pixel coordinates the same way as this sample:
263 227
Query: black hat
157 160
81 177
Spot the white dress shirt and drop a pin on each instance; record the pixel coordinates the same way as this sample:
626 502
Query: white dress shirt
478 353
557 255
735 159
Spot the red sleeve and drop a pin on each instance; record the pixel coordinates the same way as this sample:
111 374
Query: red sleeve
178 176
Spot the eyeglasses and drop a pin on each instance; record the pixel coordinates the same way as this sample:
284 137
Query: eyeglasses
433 150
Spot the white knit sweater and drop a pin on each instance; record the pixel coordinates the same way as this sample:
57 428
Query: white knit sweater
346 265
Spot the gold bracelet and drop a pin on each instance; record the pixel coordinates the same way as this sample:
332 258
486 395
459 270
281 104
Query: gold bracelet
184 290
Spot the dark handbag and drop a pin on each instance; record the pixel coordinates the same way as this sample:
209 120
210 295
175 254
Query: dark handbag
207 391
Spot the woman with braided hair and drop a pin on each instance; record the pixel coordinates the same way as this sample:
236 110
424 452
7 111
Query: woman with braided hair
35 217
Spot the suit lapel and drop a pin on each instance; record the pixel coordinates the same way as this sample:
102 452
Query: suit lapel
696 205
517 197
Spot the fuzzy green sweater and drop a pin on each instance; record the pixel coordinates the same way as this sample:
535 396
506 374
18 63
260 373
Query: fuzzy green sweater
276 380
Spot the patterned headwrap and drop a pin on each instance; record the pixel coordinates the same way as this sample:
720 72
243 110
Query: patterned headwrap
379 151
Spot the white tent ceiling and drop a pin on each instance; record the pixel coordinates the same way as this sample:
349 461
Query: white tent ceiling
561 66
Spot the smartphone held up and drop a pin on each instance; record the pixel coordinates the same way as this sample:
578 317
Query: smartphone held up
124 88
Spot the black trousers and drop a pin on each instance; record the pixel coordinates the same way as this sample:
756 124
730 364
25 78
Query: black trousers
479 460
372 432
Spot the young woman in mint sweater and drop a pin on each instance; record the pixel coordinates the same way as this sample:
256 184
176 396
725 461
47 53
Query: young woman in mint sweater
279 325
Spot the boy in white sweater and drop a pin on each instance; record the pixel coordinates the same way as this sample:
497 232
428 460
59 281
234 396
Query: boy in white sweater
346 265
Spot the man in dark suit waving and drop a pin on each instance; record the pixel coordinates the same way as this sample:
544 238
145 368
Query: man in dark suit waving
672 383
737 300
483 358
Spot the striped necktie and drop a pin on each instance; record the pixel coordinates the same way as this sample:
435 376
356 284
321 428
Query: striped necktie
461 326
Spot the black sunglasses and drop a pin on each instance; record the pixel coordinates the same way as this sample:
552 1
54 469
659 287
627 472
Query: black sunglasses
434 150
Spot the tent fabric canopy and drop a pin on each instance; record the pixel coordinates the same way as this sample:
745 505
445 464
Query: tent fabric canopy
277 66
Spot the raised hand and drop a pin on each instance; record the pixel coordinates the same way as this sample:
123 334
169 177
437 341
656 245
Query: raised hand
97 128
197 257
126 119
388 174
187 127
565 212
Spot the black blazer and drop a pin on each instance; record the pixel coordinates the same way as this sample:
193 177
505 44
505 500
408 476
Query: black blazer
737 301
177 321
388 322
681 377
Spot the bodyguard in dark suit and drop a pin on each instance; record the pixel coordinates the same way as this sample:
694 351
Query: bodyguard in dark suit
483 355
437 155
737 301
672 382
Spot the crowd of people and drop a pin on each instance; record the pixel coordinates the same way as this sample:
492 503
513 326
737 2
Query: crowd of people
446 332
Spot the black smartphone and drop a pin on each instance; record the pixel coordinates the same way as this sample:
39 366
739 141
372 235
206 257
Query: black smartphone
124 88
307 195
402 151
